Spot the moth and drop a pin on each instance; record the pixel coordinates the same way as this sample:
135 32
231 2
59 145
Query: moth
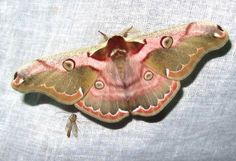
71 126
127 74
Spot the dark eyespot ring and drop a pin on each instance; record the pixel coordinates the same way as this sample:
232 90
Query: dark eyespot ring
99 84
219 27
15 75
148 75
166 42
68 64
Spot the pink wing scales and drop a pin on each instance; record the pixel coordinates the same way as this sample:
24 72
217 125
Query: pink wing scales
65 78
184 47
136 94
157 94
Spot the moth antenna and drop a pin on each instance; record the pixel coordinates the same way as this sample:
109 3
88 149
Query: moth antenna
105 37
125 33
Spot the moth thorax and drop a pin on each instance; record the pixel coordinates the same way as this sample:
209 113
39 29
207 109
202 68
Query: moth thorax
118 52
119 59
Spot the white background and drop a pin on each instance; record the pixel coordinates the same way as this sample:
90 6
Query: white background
199 124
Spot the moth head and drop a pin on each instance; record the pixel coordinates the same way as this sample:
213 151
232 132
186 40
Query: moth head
116 41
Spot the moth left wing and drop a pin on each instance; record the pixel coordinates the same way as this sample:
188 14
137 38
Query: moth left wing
66 77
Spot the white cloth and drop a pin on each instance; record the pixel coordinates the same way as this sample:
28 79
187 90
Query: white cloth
199 124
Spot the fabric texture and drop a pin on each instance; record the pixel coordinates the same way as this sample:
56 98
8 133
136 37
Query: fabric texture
199 124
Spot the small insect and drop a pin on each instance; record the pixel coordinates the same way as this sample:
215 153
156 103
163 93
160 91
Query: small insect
72 126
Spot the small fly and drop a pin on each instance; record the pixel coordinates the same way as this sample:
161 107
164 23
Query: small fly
72 126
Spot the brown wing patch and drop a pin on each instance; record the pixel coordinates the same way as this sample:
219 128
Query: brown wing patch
65 87
162 100
102 115
179 61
